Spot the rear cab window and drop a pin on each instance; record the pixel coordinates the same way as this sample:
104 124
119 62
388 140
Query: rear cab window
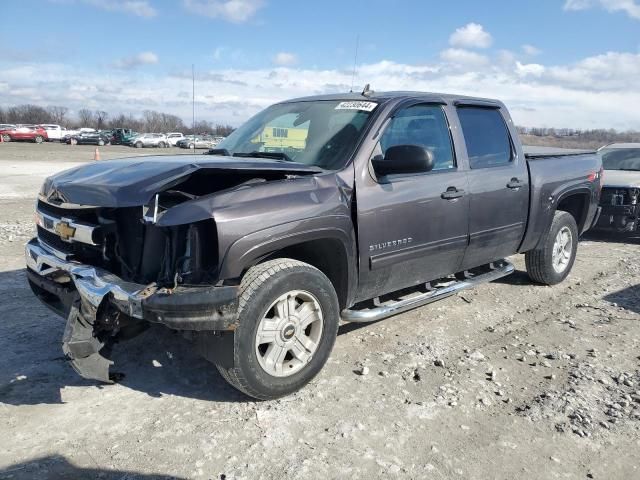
486 137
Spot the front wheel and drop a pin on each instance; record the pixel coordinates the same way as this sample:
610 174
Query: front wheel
6 138
38 139
161 145
552 260
288 321
138 144
101 143
192 146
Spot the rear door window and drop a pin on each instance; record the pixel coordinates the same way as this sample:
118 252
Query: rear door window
486 136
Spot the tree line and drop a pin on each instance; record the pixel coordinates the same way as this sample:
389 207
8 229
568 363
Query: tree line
575 136
149 121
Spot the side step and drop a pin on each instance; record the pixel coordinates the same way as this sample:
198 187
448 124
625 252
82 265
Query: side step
497 270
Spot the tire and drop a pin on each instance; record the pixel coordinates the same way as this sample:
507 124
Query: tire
192 146
6 138
262 288
161 145
138 145
38 139
74 141
101 143
548 265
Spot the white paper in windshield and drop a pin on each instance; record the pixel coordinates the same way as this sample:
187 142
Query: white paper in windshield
365 106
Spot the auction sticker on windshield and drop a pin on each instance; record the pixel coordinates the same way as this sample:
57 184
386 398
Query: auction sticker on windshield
366 106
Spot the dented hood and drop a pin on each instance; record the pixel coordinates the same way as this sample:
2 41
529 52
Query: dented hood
132 182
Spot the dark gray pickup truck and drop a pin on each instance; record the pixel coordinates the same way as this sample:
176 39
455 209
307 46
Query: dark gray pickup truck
352 207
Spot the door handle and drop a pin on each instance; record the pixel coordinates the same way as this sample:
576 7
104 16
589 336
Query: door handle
515 183
452 193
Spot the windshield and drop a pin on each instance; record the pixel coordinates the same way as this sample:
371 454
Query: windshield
318 133
621 158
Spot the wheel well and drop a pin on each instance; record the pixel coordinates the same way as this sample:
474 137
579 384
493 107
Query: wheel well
577 205
328 256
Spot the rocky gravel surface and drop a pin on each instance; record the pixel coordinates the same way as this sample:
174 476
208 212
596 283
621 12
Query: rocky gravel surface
508 381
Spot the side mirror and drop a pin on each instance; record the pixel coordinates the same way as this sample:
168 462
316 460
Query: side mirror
402 159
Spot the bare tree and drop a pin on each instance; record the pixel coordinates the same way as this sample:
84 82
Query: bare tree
58 114
86 117
101 118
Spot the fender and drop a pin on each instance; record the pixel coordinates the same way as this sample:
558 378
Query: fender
250 249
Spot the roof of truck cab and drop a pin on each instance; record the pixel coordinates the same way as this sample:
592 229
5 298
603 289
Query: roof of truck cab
385 96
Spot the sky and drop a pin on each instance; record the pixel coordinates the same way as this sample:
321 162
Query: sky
555 63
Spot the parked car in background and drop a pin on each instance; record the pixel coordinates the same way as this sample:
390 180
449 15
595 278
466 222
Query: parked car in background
29 133
204 141
121 135
150 140
69 132
89 138
174 137
184 141
620 199
54 132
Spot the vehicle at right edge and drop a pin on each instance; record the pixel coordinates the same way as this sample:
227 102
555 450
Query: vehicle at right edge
621 188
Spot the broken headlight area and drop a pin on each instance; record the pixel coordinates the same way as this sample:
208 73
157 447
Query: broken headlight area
620 209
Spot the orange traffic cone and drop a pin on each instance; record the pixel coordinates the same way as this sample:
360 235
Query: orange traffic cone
96 155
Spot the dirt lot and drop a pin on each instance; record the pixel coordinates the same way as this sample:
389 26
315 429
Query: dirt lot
511 380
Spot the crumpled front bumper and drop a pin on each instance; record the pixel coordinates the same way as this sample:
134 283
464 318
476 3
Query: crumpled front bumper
94 300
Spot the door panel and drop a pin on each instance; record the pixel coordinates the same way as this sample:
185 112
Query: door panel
409 234
498 187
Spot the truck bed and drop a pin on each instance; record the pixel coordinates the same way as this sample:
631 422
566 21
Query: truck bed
534 152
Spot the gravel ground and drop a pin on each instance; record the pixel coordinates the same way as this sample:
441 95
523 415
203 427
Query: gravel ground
511 380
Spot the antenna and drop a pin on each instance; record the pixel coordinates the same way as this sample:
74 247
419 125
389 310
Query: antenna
193 98
355 62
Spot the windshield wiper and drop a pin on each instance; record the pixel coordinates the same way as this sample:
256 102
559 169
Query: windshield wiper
218 151
273 155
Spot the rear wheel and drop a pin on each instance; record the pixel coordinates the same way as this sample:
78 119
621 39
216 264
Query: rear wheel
192 146
38 139
288 321
552 261
161 145
74 141
138 144
6 138
101 143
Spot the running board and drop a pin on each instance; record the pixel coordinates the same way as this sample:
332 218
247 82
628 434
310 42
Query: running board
498 270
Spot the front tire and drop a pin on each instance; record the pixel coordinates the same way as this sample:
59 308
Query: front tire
38 139
161 145
553 259
6 138
288 322
101 143
138 144
192 146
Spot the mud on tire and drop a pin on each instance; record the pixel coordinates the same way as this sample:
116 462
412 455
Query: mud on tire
260 287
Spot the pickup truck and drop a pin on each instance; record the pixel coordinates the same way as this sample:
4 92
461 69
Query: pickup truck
393 201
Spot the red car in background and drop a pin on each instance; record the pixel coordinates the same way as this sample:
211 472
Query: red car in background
29 133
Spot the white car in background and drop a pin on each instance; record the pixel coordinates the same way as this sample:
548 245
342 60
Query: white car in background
174 137
150 140
54 132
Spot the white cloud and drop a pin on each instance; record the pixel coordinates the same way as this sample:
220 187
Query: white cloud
285 59
595 92
236 11
134 61
531 50
530 69
471 35
630 7
463 58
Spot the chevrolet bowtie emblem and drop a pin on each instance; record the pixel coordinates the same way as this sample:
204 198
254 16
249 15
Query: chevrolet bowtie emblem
65 230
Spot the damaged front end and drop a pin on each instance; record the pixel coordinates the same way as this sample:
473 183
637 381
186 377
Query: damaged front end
620 209
102 309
